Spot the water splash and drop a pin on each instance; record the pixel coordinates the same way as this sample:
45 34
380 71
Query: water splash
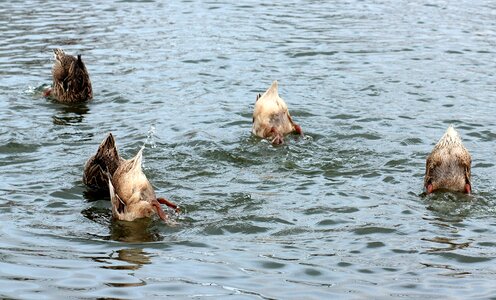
150 138
37 91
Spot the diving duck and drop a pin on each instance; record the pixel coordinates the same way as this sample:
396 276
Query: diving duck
271 117
131 193
448 165
71 81
104 163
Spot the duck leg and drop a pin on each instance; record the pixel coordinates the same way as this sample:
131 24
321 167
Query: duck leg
170 204
159 210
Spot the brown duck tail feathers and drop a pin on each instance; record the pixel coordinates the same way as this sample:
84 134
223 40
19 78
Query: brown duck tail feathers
108 142
95 177
107 149
58 54
80 62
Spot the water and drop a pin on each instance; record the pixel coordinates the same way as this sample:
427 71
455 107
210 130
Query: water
338 214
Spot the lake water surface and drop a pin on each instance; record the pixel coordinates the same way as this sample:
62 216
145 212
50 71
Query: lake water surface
337 215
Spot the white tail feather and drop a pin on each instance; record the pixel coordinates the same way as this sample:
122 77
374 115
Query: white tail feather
137 160
273 90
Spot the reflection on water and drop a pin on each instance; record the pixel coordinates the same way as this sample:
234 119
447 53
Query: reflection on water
138 231
70 114
66 113
136 257
101 213
126 261
451 206
449 270
448 243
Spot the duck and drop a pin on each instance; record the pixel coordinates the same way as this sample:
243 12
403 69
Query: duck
71 80
448 165
271 118
131 194
99 167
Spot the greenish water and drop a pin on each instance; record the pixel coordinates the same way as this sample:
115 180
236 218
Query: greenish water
338 214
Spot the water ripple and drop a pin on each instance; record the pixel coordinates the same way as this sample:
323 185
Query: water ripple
337 213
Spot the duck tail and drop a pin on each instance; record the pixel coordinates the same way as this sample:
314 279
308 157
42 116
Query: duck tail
80 62
272 91
107 148
107 155
137 160
58 54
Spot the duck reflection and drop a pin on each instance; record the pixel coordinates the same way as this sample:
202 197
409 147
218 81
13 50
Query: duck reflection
447 212
447 248
70 114
138 231
66 114
443 244
135 257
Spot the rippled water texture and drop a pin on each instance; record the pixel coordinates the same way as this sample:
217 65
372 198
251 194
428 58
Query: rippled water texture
338 214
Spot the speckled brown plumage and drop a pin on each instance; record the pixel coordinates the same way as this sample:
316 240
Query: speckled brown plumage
104 163
71 81
271 118
448 165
